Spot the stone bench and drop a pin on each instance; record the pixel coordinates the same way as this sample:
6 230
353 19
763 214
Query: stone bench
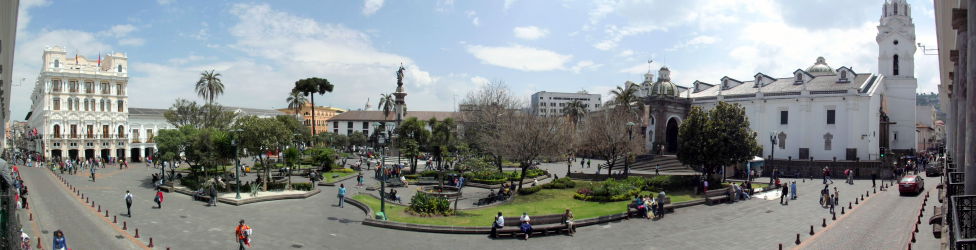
540 225
712 196
936 222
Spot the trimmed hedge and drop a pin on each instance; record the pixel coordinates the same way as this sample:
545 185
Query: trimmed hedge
560 184
304 186
625 189
529 190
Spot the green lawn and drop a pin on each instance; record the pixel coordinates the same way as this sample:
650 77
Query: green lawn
327 176
547 201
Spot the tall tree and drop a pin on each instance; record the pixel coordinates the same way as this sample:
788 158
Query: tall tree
609 135
386 104
575 111
693 143
261 135
625 96
483 112
719 137
295 101
209 86
183 112
412 135
527 138
443 138
310 87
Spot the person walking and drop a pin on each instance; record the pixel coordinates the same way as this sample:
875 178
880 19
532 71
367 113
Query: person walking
782 196
243 233
92 174
128 203
793 190
342 194
59 242
657 169
832 203
359 180
589 164
213 194
159 198
23 196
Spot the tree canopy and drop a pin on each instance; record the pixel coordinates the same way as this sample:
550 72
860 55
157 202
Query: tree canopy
716 138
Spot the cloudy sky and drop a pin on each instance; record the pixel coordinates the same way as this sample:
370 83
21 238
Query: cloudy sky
449 47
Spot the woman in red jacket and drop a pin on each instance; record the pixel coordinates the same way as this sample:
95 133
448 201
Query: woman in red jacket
159 198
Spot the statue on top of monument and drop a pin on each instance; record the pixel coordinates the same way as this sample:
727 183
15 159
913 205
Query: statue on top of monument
400 76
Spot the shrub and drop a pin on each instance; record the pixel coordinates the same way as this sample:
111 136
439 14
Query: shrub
429 173
529 190
426 204
560 184
343 170
304 186
411 176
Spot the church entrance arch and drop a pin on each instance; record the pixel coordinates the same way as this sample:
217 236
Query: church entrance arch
671 135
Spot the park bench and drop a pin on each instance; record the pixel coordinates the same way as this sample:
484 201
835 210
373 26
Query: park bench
633 212
201 195
717 195
542 224
936 222
394 182
492 198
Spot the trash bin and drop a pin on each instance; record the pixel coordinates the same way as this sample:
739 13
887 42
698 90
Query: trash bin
380 216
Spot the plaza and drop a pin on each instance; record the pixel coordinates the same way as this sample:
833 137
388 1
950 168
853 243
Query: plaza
503 125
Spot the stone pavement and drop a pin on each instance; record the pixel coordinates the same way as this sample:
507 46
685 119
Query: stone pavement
54 208
316 223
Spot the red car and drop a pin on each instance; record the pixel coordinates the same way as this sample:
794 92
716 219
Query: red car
911 184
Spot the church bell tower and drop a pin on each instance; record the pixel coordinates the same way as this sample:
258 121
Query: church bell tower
896 62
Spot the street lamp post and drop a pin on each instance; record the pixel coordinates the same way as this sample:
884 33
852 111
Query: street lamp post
380 142
630 138
237 164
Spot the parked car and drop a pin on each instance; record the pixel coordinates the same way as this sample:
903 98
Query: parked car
933 170
911 184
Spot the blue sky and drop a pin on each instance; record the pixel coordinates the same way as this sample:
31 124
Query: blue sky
449 47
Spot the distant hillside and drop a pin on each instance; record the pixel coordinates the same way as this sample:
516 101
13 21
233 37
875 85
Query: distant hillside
930 99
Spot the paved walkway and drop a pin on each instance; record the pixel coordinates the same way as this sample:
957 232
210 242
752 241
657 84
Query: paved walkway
56 209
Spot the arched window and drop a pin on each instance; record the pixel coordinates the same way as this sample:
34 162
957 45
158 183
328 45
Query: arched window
57 131
120 67
827 141
799 78
896 10
894 65
843 75
57 63
70 104
121 132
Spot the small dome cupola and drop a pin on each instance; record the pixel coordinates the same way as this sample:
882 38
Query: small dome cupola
820 66
664 86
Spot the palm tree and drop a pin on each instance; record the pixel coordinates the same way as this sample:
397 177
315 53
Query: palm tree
625 96
386 104
310 87
575 111
209 86
296 100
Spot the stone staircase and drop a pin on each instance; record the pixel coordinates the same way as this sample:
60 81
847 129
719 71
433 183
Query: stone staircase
646 164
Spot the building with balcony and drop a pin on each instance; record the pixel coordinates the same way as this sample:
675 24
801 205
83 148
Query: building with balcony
80 106
8 34
322 116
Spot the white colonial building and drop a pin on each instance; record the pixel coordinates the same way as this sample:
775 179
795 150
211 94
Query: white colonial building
79 106
551 103
818 112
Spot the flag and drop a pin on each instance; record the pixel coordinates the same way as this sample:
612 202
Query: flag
76 57
99 58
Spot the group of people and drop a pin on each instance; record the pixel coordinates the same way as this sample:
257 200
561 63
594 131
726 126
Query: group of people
649 206
525 224
828 200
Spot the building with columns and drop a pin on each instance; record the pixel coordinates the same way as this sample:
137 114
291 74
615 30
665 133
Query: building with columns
8 36
80 106
814 113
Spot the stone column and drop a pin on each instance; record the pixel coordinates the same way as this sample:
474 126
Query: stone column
961 79
969 105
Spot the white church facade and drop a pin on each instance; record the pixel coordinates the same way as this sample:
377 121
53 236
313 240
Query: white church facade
818 112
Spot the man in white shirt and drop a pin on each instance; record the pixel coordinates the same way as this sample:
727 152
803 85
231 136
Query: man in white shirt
499 223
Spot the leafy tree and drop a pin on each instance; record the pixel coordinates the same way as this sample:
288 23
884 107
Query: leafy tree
296 128
292 156
295 101
693 143
261 135
183 112
171 143
443 138
411 135
310 87
214 116
209 86
323 156
209 148
625 96
357 139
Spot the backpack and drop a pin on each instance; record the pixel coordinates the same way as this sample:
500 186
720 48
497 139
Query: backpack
128 199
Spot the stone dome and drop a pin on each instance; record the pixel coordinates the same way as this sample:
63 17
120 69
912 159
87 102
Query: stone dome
820 66
664 86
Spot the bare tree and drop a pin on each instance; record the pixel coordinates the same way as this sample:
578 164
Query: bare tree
526 138
612 134
482 114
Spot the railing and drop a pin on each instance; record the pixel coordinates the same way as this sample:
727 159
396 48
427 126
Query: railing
963 233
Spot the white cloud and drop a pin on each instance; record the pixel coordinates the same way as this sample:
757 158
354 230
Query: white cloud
694 42
24 17
474 17
480 81
519 57
508 3
585 64
625 53
615 34
120 30
371 6
530 32
164 2
132 41
444 5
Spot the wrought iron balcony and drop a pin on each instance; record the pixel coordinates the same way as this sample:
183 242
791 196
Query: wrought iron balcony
962 235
